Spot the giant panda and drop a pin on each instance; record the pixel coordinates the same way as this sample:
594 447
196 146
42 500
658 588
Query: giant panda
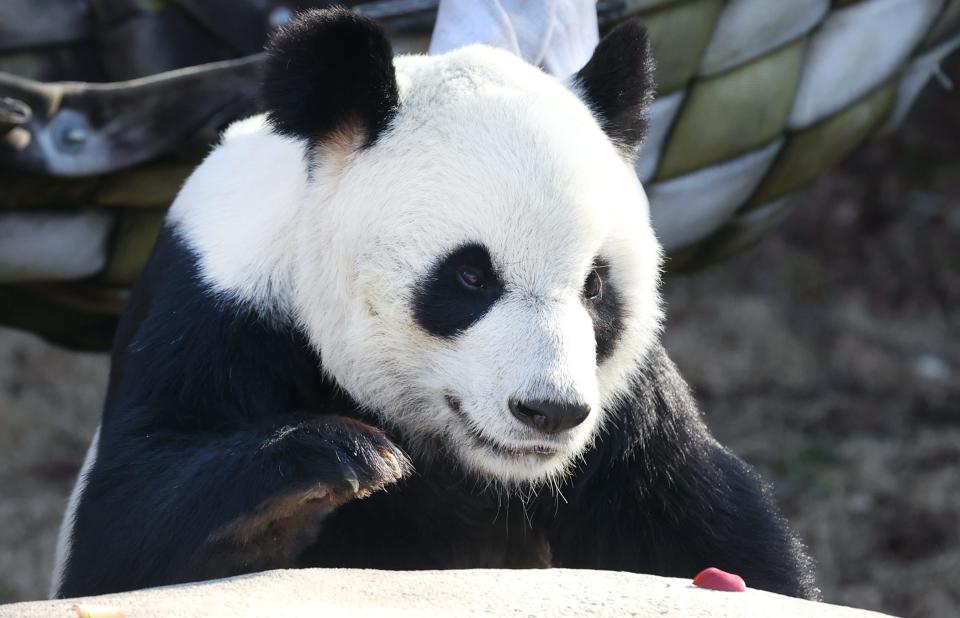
408 318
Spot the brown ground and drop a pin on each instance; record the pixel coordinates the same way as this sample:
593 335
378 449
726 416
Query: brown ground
828 356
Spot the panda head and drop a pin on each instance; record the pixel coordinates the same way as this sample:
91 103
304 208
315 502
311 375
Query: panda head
462 237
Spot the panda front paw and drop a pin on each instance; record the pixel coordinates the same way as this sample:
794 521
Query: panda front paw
304 471
341 458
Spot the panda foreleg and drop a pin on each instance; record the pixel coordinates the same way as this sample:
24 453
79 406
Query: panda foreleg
339 460
658 494
657 517
161 508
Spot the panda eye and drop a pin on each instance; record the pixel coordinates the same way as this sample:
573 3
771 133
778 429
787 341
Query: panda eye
593 286
471 278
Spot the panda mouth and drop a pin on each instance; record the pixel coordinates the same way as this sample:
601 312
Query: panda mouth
541 451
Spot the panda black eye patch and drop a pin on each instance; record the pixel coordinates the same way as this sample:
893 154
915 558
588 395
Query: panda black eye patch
459 289
605 307
593 286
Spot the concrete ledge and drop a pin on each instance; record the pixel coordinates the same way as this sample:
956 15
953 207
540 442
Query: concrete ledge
353 592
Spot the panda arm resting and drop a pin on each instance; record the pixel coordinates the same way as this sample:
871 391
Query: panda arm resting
660 495
202 453
181 509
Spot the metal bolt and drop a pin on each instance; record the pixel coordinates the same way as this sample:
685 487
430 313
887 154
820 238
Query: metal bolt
75 135
279 16
70 131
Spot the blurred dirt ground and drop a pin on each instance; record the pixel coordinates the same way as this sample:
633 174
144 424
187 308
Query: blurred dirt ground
828 356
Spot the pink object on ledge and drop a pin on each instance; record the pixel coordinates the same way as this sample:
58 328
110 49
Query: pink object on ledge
715 579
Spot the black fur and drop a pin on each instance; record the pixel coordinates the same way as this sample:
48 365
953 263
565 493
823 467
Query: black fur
224 449
211 413
442 307
659 495
617 84
216 415
328 71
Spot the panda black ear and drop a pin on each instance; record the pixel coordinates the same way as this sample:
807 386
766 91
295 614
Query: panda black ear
617 83
327 71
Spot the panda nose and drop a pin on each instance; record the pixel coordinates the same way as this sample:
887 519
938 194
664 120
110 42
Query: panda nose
549 416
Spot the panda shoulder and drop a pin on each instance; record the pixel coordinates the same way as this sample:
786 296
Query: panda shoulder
237 211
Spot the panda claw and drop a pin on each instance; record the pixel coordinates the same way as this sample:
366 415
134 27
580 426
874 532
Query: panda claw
351 479
352 458
393 462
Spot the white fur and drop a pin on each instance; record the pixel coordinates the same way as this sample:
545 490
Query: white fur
239 211
484 148
65 537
